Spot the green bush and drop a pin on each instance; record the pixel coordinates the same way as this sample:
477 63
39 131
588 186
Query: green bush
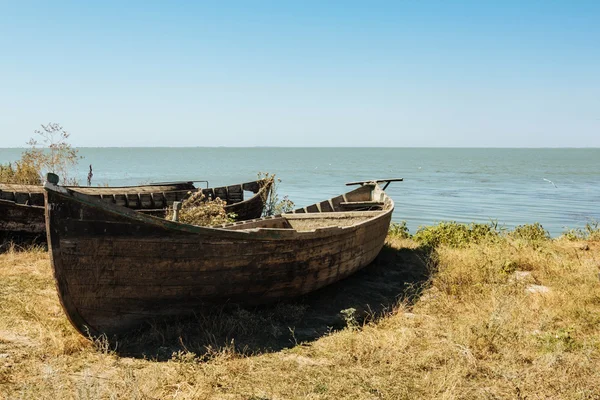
530 232
455 234
399 230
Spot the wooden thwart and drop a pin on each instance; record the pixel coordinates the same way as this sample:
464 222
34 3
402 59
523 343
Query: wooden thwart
388 181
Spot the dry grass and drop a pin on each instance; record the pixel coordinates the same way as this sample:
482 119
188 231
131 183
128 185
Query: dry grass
472 330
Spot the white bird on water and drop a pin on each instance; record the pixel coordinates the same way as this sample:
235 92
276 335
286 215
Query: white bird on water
548 180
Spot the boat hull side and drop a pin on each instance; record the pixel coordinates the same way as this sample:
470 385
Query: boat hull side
251 208
21 220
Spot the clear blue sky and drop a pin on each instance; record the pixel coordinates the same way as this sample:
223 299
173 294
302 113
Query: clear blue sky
303 73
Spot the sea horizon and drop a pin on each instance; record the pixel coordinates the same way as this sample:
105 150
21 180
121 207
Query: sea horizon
557 187
322 147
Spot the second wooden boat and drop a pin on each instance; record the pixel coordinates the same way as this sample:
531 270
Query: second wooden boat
22 206
115 268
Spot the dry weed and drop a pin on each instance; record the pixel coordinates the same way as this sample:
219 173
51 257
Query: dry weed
198 210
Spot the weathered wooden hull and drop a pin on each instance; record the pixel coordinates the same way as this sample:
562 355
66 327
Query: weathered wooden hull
22 209
21 223
115 268
251 208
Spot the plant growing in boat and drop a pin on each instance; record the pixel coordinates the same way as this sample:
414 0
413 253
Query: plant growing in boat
273 205
198 210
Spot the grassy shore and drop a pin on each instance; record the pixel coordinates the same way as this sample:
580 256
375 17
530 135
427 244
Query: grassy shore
451 313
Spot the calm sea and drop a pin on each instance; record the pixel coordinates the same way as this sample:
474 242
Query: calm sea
557 187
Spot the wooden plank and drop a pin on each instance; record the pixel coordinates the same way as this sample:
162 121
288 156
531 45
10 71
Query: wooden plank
5 195
18 218
146 200
22 198
221 193
133 200
120 200
158 200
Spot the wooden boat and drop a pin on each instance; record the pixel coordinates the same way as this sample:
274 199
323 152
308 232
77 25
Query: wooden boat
116 268
21 219
22 206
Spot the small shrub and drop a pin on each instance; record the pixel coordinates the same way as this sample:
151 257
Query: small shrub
573 234
24 173
399 230
197 210
54 155
530 232
560 340
591 231
509 267
349 315
454 234
274 206
182 356
103 345
6 173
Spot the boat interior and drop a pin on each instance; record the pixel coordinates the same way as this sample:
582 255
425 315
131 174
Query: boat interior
348 209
